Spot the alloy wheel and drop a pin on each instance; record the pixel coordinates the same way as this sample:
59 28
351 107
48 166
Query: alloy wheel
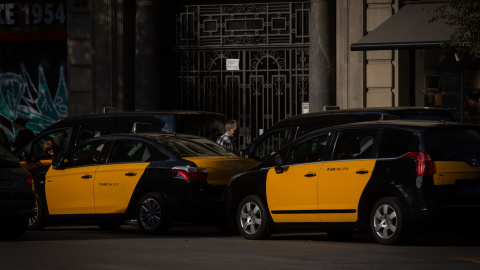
150 214
250 218
385 221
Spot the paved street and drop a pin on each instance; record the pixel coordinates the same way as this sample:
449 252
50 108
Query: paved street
201 247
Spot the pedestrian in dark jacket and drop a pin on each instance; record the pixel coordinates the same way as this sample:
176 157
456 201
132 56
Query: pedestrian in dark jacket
24 135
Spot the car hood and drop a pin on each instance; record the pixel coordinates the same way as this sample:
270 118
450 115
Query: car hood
222 169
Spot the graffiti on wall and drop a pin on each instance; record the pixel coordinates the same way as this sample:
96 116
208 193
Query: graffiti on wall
34 101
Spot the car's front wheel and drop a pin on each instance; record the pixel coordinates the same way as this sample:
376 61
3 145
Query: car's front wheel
388 222
253 219
152 214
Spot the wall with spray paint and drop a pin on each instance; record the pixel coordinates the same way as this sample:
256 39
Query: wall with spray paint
33 84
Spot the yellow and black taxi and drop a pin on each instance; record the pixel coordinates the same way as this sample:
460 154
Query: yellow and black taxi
387 177
17 196
155 178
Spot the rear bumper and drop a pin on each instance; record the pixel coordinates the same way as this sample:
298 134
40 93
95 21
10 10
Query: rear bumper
202 205
17 208
444 217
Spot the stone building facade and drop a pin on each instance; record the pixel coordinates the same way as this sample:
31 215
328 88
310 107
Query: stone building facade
257 62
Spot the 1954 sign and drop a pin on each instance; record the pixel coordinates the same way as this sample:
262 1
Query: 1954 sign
32 13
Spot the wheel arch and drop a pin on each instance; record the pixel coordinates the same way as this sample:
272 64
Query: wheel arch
368 199
148 183
250 183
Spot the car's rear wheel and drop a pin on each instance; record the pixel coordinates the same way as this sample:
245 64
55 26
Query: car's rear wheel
39 221
388 222
152 214
13 228
252 218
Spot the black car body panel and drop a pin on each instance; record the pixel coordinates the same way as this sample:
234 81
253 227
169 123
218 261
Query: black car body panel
293 127
17 197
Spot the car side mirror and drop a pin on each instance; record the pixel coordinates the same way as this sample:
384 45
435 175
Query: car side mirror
58 163
22 156
278 160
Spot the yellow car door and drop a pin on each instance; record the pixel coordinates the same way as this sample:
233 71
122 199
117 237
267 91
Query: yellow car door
70 191
292 188
342 181
292 194
114 185
69 188
116 180
340 186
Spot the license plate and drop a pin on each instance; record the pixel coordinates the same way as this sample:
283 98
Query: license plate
470 190
7 184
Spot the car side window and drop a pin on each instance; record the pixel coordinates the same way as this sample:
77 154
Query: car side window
272 143
58 138
87 132
308 151
129 151
88 154
355 144
396 143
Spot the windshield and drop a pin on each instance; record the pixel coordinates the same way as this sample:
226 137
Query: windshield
192 147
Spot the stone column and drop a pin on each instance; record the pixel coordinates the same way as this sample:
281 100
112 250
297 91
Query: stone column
148 48
322 55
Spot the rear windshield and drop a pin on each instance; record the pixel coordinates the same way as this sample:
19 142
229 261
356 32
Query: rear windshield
454 144
193 147
7 160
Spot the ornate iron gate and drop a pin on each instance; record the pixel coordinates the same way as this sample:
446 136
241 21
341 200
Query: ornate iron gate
248 61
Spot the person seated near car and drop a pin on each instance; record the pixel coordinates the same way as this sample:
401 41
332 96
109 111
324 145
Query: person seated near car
49 152
50 149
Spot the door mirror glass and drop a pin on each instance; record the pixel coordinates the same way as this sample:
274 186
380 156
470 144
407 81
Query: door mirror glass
57 163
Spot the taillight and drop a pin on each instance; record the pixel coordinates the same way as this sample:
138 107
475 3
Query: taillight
424 163
30 179
192 173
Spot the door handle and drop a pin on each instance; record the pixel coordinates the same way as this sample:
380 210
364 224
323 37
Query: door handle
131 174
87 176
362 172
310 174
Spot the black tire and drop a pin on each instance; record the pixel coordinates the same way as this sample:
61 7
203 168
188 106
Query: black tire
253 219
340 235
152 214
39 221
14 228
109 224
388 221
